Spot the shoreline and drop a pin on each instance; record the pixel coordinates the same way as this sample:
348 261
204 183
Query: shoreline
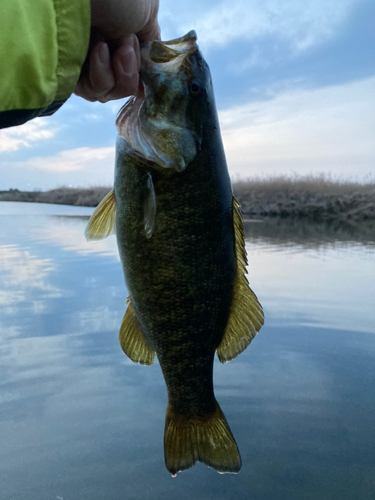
315 199
310 199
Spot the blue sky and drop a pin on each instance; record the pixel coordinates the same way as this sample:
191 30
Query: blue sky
295 91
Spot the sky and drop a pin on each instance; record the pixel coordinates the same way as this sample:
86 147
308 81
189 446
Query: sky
294 85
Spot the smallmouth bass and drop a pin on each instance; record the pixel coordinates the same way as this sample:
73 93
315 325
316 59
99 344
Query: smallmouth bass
181 243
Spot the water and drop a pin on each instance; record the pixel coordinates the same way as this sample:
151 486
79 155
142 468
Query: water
78 420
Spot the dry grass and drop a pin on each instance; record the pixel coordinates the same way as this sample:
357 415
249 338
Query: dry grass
315 185
312 197
89 197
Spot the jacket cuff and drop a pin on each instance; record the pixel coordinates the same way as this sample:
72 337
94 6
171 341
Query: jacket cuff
73 35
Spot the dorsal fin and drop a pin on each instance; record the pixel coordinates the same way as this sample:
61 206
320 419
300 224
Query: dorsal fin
102 221
246 315
132 340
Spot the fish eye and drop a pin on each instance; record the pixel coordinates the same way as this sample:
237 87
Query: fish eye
196 87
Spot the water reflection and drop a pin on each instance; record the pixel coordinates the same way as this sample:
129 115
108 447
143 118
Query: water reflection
299 232
78 420
24 276
66 233
317 274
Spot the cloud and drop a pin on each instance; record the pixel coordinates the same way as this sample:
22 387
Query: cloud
328 129
14 138
83 166
301 24
89 159
324 130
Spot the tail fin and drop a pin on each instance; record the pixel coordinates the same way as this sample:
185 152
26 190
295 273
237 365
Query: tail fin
207 439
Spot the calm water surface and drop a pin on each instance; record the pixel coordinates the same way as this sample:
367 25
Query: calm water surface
78 420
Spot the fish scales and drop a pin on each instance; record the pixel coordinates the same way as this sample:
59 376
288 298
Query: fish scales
178 279
181 244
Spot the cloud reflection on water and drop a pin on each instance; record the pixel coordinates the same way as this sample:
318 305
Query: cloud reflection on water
66 233
24 276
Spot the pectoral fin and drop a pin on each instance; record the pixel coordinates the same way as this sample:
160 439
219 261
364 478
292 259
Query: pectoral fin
102 221
149 208
246 316
132 340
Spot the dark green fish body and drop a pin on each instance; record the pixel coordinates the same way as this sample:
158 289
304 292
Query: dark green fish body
181 245
181 279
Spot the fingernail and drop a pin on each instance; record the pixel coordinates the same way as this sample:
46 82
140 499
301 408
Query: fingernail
137 52
129 63
103 54
135 41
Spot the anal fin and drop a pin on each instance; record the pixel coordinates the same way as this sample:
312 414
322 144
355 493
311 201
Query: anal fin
246 316
102 221
132 340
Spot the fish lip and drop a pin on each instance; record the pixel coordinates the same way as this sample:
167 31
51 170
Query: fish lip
191 36
164 52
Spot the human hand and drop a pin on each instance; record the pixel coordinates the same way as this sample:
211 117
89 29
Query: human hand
112 68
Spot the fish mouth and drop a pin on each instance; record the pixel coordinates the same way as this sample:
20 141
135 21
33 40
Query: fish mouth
172 52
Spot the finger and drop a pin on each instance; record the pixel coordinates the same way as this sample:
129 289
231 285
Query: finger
149 33
83 89
133 42
125 64
101 75
97 77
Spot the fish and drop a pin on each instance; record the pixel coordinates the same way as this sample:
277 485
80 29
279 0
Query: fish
181 243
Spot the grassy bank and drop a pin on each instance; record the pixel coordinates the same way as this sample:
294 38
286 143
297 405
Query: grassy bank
79 197
311 198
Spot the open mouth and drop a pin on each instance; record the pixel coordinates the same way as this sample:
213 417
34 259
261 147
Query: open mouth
159 52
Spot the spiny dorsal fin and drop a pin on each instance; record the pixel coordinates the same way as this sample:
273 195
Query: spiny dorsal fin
246 316
102 221
207 439
132 340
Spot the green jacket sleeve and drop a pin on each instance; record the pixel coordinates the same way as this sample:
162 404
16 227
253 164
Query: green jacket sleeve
43 44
